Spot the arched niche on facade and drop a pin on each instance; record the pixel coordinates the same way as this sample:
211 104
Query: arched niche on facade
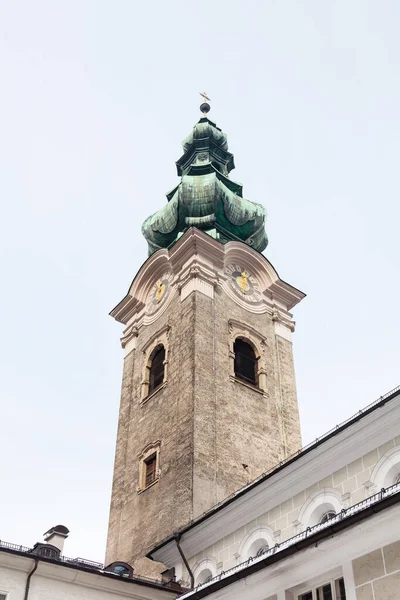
321 503
387 471
258 539
204 570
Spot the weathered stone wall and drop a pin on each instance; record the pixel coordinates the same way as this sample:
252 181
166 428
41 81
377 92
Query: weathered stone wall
138 520
209 424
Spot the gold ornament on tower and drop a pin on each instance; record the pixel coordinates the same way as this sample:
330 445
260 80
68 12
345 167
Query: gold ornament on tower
160 290
242 282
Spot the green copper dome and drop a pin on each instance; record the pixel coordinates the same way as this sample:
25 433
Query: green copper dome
206 198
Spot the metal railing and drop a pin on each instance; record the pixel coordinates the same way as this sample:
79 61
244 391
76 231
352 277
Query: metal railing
82 562
344 514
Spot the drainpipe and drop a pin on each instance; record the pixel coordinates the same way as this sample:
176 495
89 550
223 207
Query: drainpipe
28 581
177 538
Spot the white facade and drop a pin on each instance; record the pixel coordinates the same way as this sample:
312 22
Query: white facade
280 510
59 581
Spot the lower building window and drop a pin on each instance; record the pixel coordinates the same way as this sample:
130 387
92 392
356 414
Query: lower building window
334 590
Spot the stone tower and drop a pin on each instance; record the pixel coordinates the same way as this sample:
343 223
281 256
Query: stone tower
208 397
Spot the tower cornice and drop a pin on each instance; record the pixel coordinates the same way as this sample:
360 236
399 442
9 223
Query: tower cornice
199 262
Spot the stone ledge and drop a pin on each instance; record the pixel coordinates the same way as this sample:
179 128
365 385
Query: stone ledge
141 490
150 396
247 385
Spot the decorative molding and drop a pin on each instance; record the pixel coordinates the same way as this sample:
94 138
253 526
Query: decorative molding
157 338
202 567
297 526
277 536
346 500
283 331
197 285
197 255
152 448
260 533
317 505
387 469
129 340
152 316
238 329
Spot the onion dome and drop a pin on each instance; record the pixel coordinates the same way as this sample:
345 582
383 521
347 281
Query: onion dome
205 197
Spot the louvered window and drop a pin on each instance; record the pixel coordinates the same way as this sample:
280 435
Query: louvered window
245 362
150 469
157 369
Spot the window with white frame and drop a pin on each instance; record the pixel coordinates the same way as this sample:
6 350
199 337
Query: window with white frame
331 590
3 596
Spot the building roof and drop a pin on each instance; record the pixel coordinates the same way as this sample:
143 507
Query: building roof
312 536
206 197
244 494
88 566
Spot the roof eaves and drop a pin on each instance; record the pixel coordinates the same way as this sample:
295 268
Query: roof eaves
80 567
291 459
306 542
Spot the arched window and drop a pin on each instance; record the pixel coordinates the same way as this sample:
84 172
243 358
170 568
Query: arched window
320 507
157 367
387 471
328 515
120 568
257 548
204 576
245 362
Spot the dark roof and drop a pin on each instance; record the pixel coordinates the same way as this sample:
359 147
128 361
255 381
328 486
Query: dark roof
284 463
91 567
58 529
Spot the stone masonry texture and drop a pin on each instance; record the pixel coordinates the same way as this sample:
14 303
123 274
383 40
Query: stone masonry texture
208 424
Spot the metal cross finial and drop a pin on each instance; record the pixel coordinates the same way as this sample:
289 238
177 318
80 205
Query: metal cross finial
205 97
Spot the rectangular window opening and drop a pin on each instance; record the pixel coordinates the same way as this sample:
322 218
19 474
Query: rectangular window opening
306 596
150 469
324 592
328 591
339 589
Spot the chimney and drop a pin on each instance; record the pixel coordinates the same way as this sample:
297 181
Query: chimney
56 536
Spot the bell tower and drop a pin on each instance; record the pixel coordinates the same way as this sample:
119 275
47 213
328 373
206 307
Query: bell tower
208 398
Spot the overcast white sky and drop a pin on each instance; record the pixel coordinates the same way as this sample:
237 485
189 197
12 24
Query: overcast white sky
96 97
